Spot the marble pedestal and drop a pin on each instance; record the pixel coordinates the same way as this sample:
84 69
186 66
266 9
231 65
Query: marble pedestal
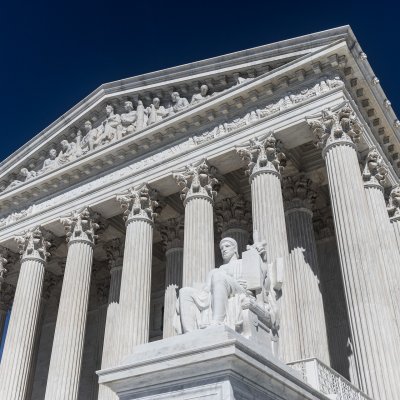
216 363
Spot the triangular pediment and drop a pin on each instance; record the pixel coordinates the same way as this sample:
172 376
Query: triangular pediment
234 83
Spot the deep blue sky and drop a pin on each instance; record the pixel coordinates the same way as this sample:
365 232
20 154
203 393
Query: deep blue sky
53 53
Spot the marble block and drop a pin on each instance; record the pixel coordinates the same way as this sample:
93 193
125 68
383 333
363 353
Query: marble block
214 363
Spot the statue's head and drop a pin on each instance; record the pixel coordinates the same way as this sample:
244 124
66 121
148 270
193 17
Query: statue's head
203 89
229 249
128 106
156 102
175 96
53 153
109 109
88 126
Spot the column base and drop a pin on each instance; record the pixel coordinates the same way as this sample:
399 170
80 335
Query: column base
215 363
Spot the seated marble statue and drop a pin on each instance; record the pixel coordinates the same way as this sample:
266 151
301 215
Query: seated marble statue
233 291
49 163
26 176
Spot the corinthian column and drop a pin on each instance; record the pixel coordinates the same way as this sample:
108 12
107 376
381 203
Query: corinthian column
198 182
66 355
115 252
172 235
374 176
19 345
134 299
233 218
265 164
303 271
371 318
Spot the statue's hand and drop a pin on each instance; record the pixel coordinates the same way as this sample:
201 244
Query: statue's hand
242 283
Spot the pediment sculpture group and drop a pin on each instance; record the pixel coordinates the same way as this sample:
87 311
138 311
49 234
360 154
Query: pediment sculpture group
112 128
115 126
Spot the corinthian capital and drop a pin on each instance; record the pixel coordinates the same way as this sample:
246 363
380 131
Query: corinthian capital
298 192
34 244
6 296
375 170
81 226
139 203
198 180
233 213
115 252
3 263
263 155
172 233
394 203
335 127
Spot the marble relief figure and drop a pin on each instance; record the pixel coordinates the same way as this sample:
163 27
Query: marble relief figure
111 126
156 112
128 119
199 97
179 103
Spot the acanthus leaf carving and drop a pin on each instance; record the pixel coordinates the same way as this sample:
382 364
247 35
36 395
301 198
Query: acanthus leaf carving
263 155
34 244
7 294
115 252
139 203
233 213
375 170
334 127
394 203
172 233
81 226
198 180
298 192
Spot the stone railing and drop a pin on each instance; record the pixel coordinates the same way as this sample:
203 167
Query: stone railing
327 381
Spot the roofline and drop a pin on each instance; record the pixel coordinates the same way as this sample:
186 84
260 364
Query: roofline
299 43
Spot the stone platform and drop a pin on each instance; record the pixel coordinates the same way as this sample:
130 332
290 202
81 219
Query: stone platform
215 363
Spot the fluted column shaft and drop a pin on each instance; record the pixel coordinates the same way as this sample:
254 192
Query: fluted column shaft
173 282
19 345
134 301
370 320
198 248
308 305
269 223
66 355
388 249
109 355
67 350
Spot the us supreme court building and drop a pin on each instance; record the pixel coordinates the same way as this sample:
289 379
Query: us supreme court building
225 229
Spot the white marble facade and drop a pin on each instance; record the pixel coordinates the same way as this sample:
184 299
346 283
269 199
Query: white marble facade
247 206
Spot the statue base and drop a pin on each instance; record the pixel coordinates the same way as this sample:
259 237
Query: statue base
213 363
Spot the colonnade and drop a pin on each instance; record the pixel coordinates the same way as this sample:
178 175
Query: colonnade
283 218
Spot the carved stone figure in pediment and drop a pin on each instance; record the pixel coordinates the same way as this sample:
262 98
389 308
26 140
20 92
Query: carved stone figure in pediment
90 139
141 113
111 127
128 119
26 176
156 112
199 97
50 162
237 287
179 103
69 152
